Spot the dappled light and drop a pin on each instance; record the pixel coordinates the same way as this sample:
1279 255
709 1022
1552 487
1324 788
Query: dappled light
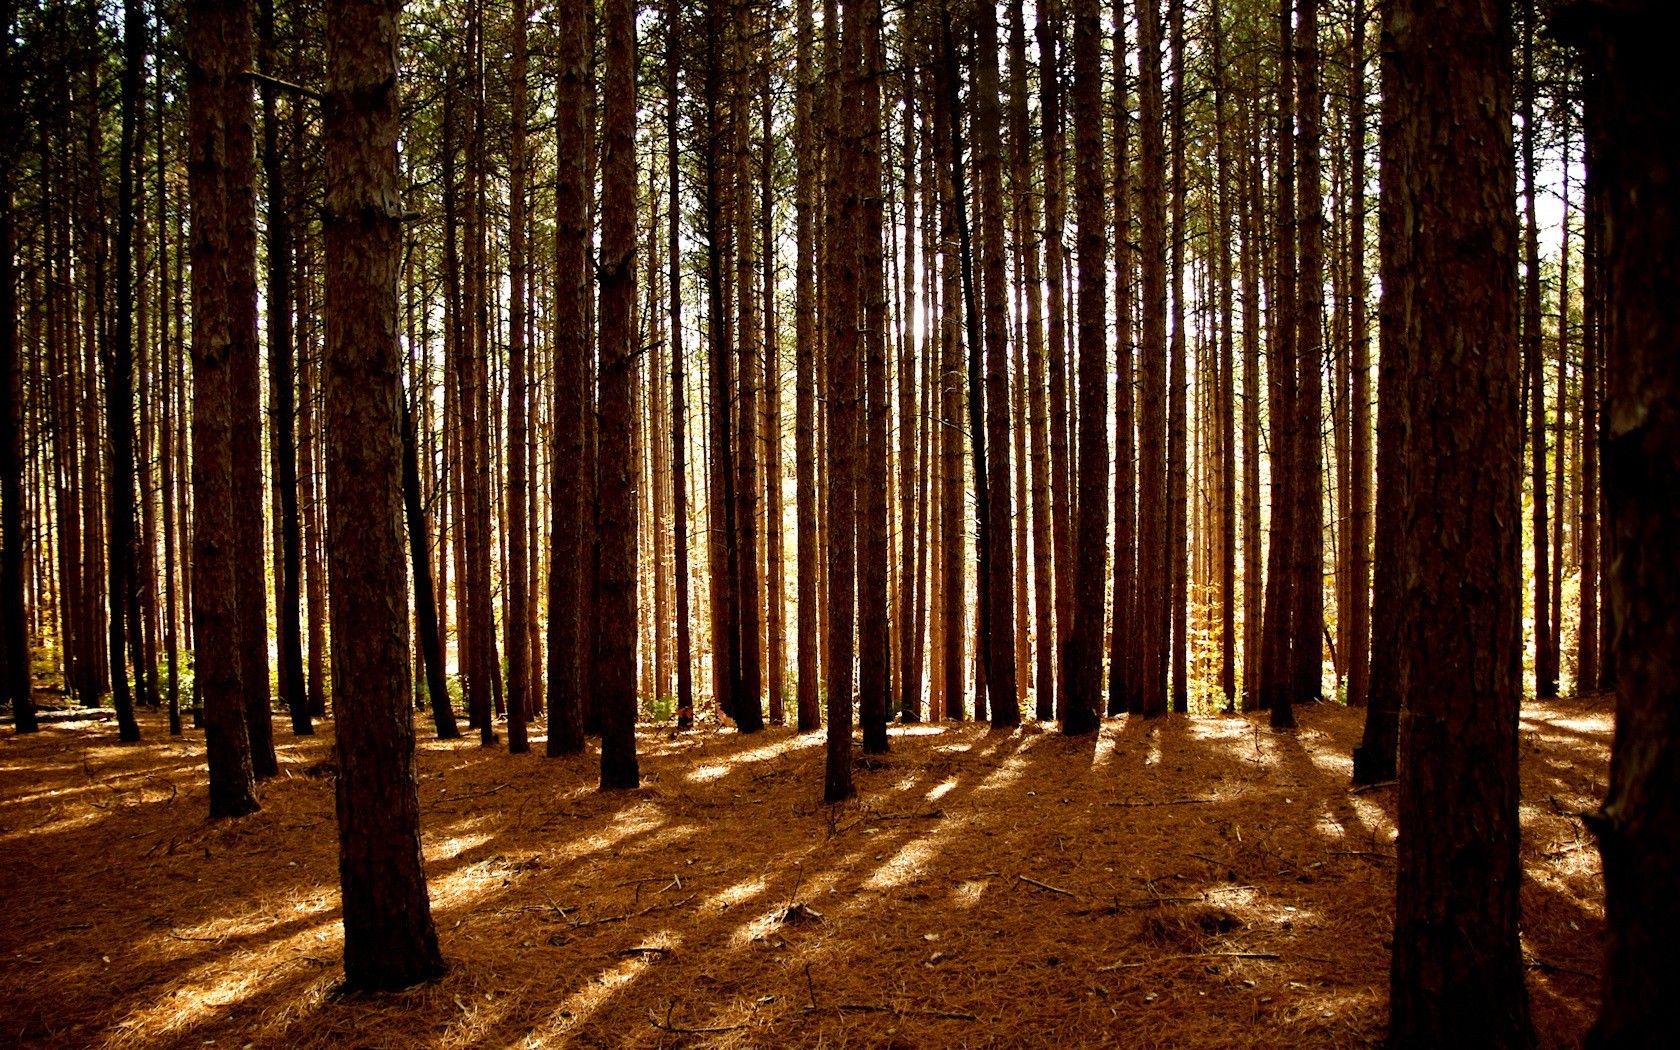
1203 879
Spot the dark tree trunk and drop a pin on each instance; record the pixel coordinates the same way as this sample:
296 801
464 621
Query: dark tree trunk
805 371
1449 298
1633 135
250 577
389 941
1125 649
1534 371
996 524
874 666
280 341
216 621
519 607
1152 428
615 604
567 554
119 391
1083 674
14 635
425 600
1356 633
679 407
1307 641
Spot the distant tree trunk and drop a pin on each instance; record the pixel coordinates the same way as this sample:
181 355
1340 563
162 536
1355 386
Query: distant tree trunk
425 600
1253 390
1048 30
1588 673
119 389
1634 153
1226 392
805 370
1152 428
1084 645
14 638
1125 649
216 621
615 661
1277 669
842 280
1449 285
278 245
250 577
518 652
995 526
389 941
1308 631
1356 632
1030 274
679 410
1534 371
874 663
567 553
749 374
1178 532
907 659
951 585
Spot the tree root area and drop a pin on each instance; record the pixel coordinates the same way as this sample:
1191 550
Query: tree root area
1187 882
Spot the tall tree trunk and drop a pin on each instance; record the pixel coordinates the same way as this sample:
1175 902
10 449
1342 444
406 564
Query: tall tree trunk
389 940
1178 384
119 389
1632 135
992 455
1277 668
843 282
567 552
425 601
874 665
806 337
1449 298
1125 649
1048 30
278 246
518 652
1084 646
1534 369
216 621
679 410
615 662
14 637
1152 429
1308 636
1356 631
1226 424
250 577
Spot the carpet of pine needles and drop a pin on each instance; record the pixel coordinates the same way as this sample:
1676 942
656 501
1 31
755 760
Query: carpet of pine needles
1181 883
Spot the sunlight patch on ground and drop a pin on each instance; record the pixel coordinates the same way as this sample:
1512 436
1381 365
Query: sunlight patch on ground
902 866
940 790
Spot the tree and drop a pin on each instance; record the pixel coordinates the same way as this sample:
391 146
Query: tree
1152 425
389 940
1633 152
1449 252
519 676
14 636
574 102
1084 646
615 660
216 623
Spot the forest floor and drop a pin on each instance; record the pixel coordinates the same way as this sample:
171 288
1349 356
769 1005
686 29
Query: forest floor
1184 883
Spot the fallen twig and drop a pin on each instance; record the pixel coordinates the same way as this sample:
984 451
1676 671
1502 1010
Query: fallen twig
946 1015
667 1026
476 794
1537 963
1164 802
1372 787
1359 853
1047 886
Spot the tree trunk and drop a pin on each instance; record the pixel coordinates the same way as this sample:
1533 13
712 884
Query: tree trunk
1307 642
1632 135
1083 652
216 622
518 652
1449 298
1356 631
1534 370
389 941
567 553
874 666
1152 429
615 662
